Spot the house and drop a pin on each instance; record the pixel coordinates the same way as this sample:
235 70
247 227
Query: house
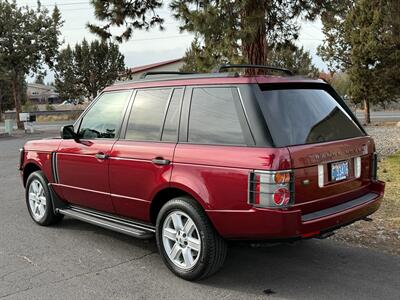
42 94
168 65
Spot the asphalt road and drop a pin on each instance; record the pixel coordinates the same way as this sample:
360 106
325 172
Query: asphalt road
381 116
74 260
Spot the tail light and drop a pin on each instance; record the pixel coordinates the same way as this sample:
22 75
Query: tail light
271 189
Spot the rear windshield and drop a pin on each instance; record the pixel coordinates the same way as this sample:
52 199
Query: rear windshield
305 116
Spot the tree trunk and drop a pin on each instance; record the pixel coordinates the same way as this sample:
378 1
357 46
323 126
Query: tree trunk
254 43
17 100
367 116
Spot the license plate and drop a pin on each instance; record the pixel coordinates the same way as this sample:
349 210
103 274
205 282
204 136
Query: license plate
339 170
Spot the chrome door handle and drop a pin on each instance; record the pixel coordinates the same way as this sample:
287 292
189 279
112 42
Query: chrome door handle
160 161
101 155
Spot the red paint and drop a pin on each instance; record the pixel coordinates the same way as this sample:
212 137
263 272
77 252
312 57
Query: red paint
83 177
135 179
216 176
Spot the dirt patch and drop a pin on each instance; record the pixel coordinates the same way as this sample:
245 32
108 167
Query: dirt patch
383 232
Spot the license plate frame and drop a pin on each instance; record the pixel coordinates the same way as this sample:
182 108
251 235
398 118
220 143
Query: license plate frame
339 170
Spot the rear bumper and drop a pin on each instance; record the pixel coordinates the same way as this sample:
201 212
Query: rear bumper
264 224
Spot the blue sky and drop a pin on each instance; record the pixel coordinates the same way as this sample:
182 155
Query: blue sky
154 45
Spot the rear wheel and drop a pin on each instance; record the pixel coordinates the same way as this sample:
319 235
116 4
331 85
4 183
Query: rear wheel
187 241
38 200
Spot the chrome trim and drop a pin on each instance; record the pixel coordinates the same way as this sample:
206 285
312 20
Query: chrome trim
113 219
122 228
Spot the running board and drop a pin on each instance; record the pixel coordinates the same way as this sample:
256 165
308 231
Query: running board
132 228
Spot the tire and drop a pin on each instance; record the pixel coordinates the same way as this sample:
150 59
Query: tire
197 251
38 200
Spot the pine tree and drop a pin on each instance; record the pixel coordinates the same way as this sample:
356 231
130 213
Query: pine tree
364 39
87 69
130 14
248 28
293 58
227 30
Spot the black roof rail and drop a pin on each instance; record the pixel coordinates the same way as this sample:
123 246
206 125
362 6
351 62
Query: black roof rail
151 73
246 66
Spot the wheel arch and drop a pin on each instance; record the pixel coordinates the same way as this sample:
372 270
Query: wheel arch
29 168
166 194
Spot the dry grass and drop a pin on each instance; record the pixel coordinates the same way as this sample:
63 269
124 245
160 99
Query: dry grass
56 118
383 233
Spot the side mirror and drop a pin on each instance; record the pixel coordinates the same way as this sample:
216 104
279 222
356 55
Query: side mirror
68 133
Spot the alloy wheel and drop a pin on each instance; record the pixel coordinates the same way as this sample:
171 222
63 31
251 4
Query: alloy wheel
181 240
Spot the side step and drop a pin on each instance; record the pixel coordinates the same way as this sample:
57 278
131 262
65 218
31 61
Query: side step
125 226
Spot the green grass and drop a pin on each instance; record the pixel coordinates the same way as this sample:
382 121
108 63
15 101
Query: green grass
389 171
383 233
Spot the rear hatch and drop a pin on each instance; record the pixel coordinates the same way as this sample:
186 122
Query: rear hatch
330 152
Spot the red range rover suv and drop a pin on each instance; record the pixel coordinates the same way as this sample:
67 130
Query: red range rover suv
200 159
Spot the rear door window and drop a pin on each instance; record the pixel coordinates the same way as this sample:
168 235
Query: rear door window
304 116
214 117
147 115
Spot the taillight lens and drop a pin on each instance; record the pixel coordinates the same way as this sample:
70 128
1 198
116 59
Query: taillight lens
271 189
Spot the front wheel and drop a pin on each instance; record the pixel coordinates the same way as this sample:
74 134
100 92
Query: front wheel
187 241
38 200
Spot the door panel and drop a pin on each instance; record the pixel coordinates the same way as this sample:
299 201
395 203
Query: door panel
135 178
83 166
83 178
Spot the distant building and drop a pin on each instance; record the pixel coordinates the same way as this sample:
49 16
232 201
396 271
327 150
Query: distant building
42 94
168 65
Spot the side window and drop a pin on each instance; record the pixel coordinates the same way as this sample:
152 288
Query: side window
104 117
214 118
147 115
170 132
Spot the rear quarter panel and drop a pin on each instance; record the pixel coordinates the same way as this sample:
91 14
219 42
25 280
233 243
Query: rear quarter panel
217 176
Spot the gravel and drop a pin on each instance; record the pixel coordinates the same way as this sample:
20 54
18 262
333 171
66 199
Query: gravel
387 139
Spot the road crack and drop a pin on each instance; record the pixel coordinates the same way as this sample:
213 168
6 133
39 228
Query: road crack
82 274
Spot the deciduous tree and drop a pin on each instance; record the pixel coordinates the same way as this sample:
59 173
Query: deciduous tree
28 42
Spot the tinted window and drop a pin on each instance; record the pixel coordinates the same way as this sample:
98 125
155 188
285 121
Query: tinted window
303 116
214 118
104 117
170 132
147 115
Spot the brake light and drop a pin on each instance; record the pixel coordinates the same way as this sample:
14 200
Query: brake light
271 189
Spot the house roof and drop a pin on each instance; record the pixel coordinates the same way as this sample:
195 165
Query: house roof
155 65
41 86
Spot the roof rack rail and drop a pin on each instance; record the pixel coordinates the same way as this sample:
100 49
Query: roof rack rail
245 66
151 73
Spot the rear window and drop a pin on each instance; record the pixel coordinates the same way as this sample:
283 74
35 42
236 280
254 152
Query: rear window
305 116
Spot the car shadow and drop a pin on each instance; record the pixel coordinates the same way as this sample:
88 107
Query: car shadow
309 269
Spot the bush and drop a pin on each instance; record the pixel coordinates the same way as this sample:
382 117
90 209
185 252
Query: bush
29 107
50 107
